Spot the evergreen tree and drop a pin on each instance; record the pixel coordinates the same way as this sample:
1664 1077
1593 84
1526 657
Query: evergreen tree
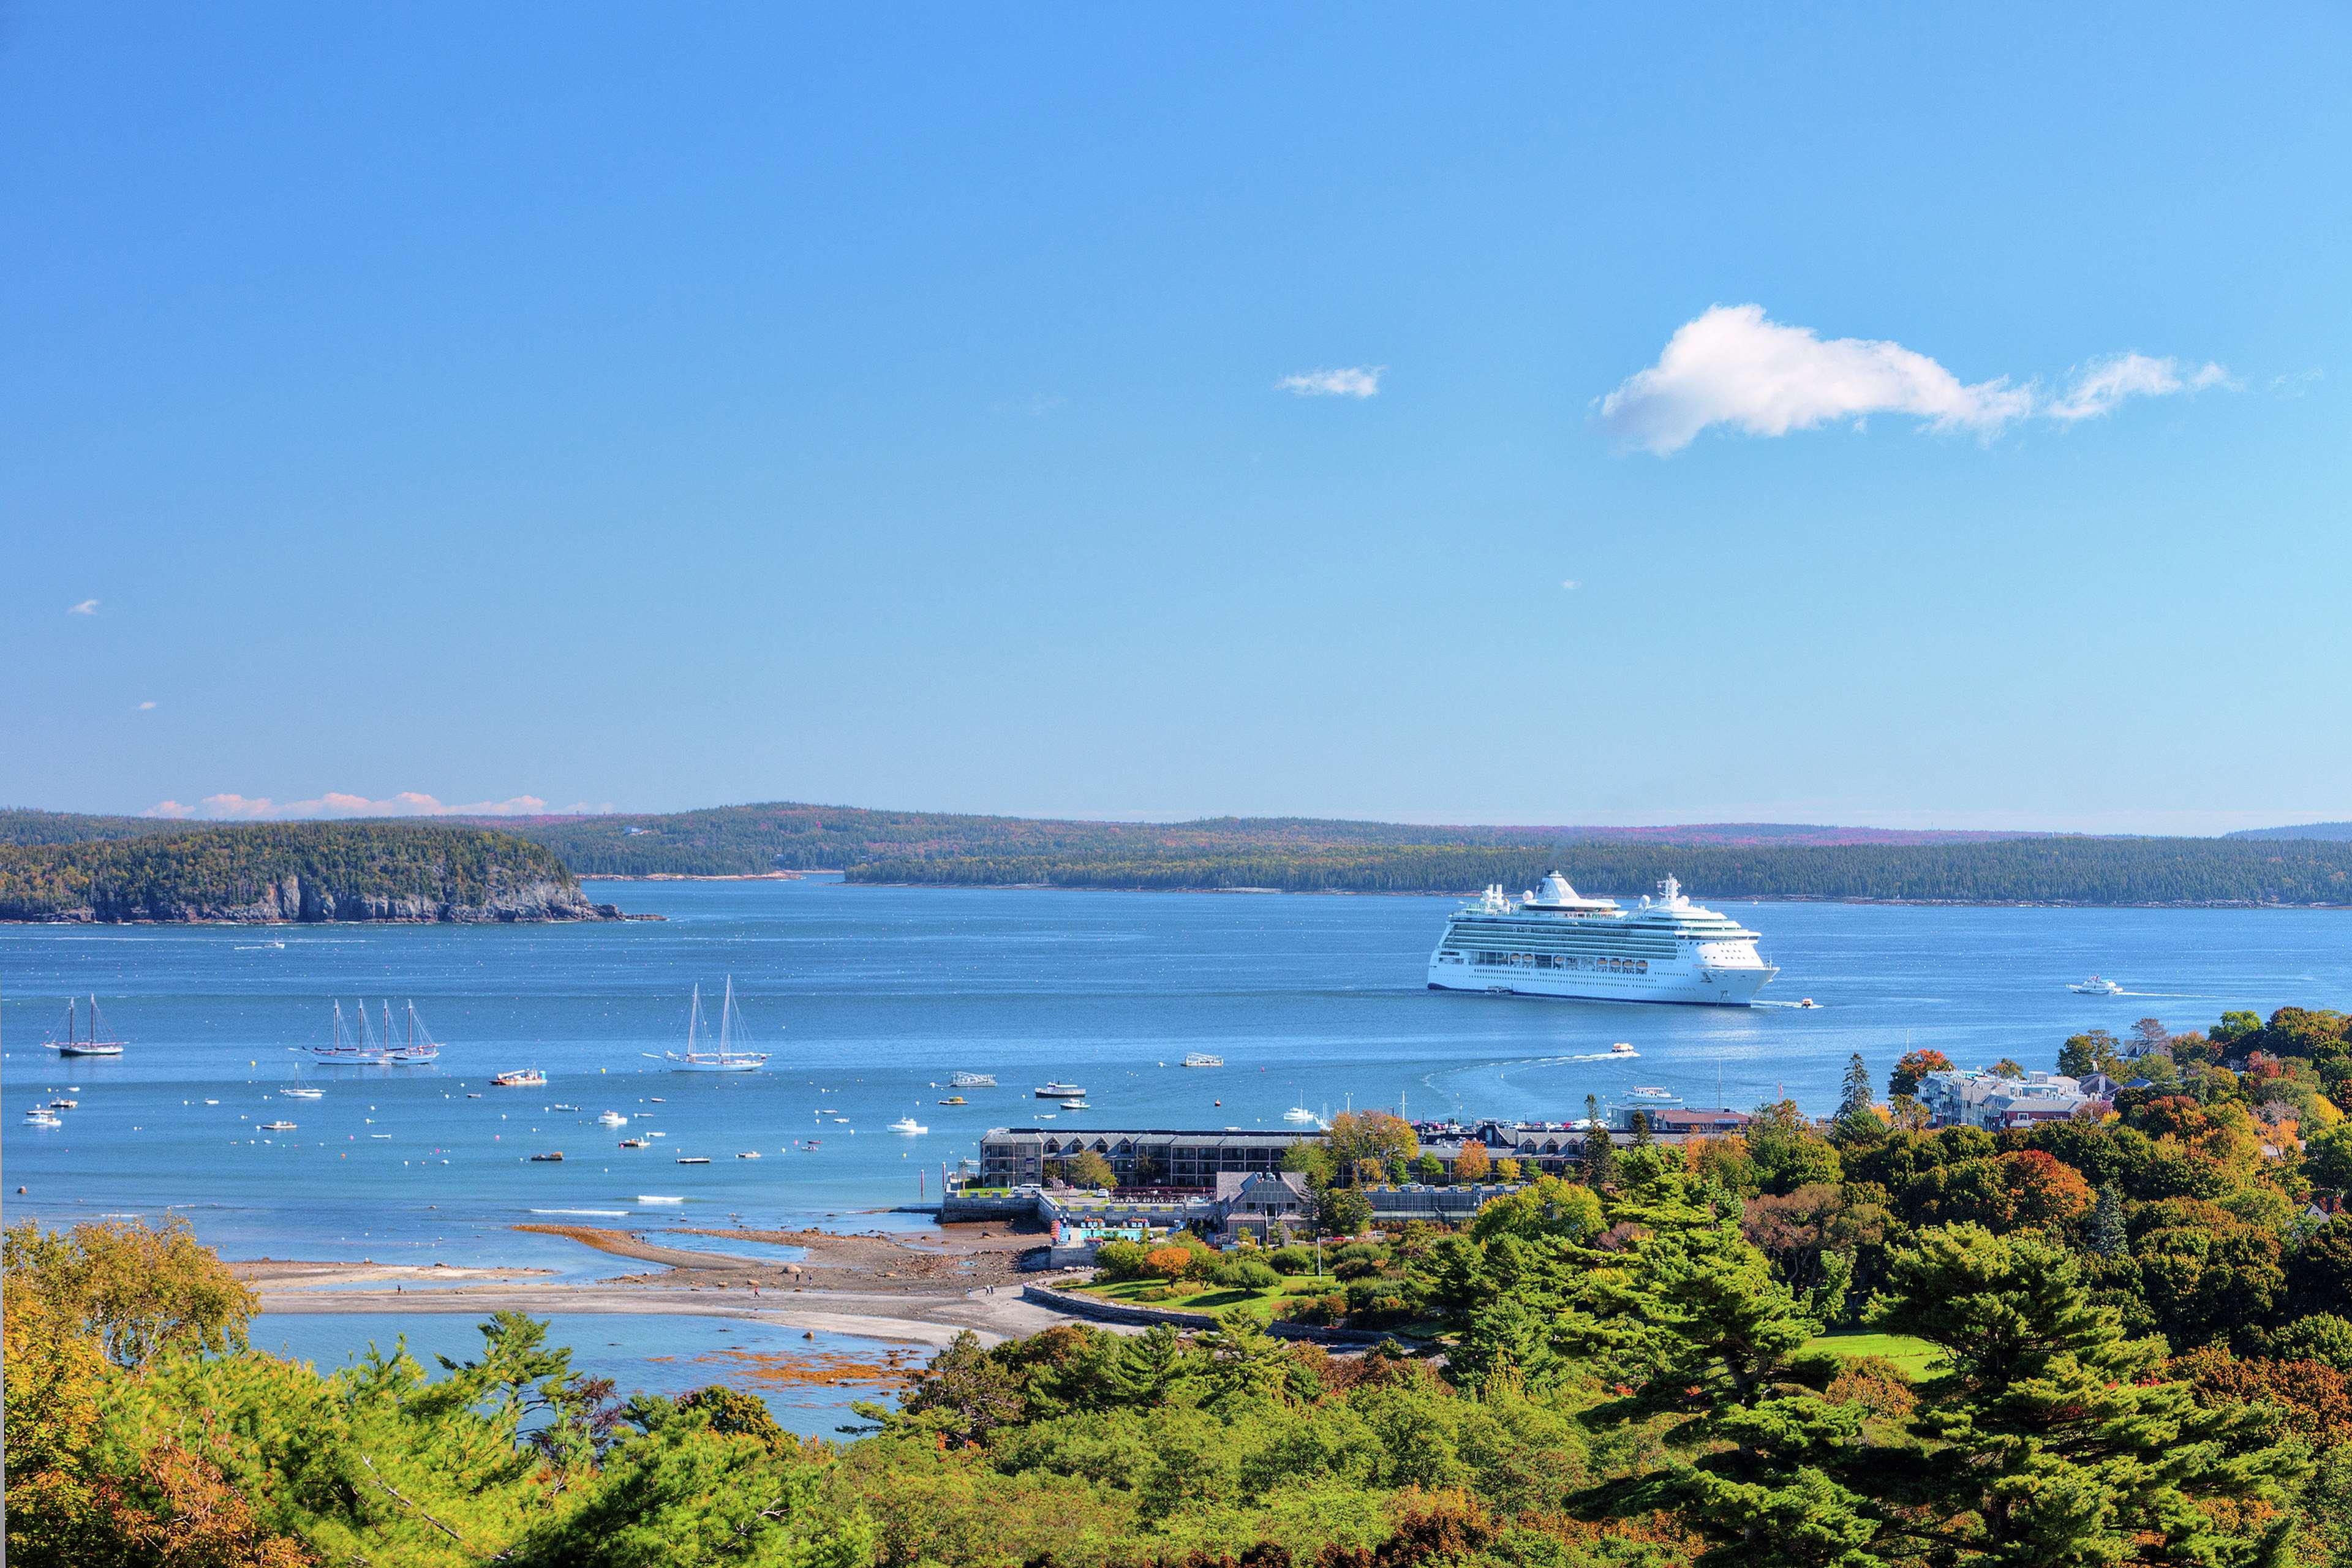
1641 1139
2055 1439
2108 1238
1855 1100
1600 1149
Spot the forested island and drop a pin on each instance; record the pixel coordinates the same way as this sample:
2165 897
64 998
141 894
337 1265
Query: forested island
1721 860
1852 1342
308 871
2146 871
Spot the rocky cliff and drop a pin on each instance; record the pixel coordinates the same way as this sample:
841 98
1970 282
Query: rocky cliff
305 873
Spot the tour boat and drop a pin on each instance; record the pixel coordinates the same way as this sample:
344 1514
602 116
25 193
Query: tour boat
1202 1060
614 1119
278 1127
554 1157
972 1081
75 1044
697 1057
42 1116
908 1124
1056 1089
2094 986
521 1077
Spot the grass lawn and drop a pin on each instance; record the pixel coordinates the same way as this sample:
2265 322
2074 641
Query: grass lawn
1915 1357
1215 1299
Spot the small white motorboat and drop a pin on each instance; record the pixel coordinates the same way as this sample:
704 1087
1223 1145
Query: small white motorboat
908 1125
2094 986
614 1119
521 1077
278 1127
1202 1060
299 1093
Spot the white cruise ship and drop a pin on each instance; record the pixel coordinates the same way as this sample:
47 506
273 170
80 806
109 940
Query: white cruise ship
1552 942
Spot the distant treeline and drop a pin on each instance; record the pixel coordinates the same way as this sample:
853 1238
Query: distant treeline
292 871
2030 870
740 840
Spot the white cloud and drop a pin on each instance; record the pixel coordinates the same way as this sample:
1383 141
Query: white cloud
1570 582
1732 366
87 607
147 707
1352 381
2103 383
335 803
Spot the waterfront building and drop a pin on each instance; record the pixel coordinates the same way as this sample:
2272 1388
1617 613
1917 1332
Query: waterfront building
1979 1098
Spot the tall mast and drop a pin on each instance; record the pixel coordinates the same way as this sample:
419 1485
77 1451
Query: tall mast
693 1018
726 1018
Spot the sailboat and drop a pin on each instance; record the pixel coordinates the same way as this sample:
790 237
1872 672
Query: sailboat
74 1045
698 1056
362 1047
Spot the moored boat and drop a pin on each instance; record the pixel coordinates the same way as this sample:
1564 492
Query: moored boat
1553 942
77 1044
700 1057
521 1077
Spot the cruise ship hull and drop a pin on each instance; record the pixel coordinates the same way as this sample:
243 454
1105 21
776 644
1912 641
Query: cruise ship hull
1707 988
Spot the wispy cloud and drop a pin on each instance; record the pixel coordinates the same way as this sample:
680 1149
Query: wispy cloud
2103 383
1350 381
1569 583
407 802
147 707
1735 367
87 607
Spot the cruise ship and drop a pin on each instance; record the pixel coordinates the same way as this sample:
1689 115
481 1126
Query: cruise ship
1554 942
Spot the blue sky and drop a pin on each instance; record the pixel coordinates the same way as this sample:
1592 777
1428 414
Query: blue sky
633 408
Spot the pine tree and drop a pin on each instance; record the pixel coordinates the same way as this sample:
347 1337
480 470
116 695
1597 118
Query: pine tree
2108 1238
1641 1139
2055 1438
1600 1149
1855 1100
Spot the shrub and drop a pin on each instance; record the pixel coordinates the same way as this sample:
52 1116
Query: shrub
1293 1260
1117 1260
1245 1274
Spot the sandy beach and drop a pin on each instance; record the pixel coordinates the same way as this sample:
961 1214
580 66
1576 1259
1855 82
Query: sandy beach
920 1289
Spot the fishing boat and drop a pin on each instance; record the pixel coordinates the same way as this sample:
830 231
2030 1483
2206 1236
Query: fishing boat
698 1056
612 1119
908 1125
955 1100
521 1077
552 1157
77 1044
362 1046
1202 1060
972 1081
278 1127
1055 1089
1076 1103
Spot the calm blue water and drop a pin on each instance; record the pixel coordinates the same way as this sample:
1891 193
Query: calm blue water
871 996
662 1353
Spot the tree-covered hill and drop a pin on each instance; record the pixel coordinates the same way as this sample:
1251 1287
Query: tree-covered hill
745 840
293 871
2027 870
